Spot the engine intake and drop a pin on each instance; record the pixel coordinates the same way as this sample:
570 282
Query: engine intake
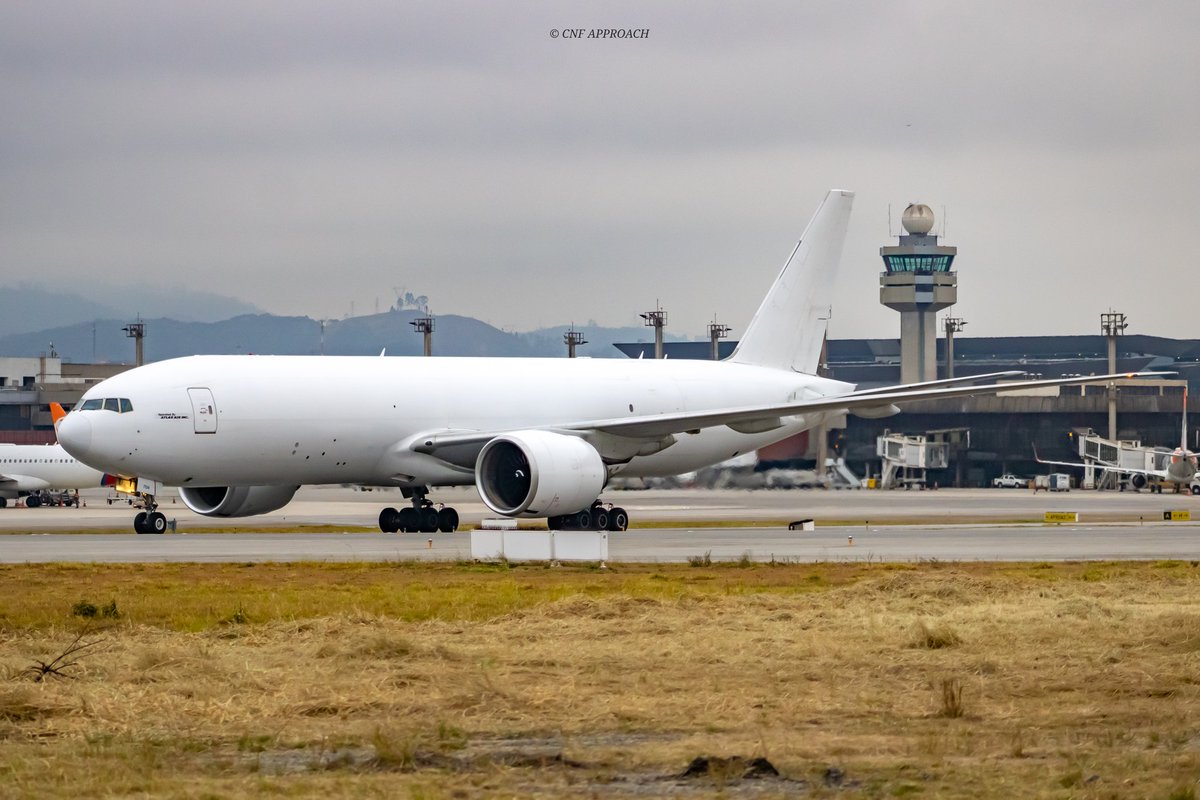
539 474
236 501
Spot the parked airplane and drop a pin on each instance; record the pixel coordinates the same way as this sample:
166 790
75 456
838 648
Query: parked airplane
33 471
1180 470
538 437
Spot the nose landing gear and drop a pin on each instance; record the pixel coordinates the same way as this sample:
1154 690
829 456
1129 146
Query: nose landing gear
151 520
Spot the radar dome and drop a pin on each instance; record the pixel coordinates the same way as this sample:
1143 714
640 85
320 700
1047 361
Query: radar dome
917 219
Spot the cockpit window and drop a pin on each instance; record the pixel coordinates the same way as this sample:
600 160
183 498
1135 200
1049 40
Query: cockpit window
121 405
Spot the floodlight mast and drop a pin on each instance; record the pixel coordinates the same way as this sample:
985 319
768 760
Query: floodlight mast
656 319
424 326
573 338
1112 325
137 332
952 325
716 332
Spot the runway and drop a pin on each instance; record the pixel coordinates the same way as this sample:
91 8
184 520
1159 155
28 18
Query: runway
1114 526
664 545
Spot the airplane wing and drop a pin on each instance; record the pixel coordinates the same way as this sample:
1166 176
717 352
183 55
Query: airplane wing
458 446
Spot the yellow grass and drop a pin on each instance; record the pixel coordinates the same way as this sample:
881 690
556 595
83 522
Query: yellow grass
1037 680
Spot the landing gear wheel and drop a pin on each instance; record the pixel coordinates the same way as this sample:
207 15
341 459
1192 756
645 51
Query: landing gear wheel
389 520
156 522
33 501
139 522
429 519
618 519
581 520
407 520
601 518
3 502
447 520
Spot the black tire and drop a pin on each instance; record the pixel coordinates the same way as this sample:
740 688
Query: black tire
389 520
554 523
429 519
33 501
3 502
1196 489
582 520
139 522
618 519
406 520
601 519
447 520
156 523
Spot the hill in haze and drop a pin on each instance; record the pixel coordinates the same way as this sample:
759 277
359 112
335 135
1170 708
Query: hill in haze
28 307
104 340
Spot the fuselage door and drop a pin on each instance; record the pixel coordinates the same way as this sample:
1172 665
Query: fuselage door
204 410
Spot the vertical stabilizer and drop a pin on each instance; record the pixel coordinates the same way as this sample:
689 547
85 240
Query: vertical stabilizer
1183 445
788 329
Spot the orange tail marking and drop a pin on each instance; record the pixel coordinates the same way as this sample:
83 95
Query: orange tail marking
57 412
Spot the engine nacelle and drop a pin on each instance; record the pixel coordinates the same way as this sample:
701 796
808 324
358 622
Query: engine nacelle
539 474
236 501
1138 481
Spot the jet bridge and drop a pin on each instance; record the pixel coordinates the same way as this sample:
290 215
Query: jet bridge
1108 457
906 459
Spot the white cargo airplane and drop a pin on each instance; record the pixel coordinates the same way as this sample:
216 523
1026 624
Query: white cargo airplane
538 437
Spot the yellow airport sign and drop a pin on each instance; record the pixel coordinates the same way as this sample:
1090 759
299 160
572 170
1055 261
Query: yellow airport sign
1177 516
1062 516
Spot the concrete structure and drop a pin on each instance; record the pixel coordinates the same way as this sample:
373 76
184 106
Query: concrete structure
918 282
29 385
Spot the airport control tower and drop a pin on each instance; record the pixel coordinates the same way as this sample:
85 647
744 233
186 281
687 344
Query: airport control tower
918 283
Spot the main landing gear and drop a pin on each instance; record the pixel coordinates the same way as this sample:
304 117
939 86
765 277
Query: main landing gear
422 517
151 520
600 517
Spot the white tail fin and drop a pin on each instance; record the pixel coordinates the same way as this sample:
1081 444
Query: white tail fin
788 329
1183 445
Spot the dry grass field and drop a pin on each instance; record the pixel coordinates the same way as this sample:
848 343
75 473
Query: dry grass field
460 680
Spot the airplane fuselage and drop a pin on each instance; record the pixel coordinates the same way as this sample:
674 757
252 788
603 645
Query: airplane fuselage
38 467
228 420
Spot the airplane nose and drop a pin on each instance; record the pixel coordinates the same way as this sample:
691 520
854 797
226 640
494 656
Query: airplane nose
75 435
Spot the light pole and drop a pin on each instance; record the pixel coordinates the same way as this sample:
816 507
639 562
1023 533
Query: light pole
424 326
1112 325
953 325
656 319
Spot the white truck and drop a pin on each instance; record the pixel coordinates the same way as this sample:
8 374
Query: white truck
1195 484
1009 481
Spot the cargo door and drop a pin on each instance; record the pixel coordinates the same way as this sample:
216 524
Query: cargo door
204 410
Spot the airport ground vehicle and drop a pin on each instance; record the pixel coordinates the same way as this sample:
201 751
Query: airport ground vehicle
1009 481
1054 482
1195 485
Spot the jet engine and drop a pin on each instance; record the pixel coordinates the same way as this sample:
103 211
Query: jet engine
539 474
236 501
1138 481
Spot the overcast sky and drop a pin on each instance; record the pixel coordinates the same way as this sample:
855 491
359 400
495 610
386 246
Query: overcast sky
315 157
